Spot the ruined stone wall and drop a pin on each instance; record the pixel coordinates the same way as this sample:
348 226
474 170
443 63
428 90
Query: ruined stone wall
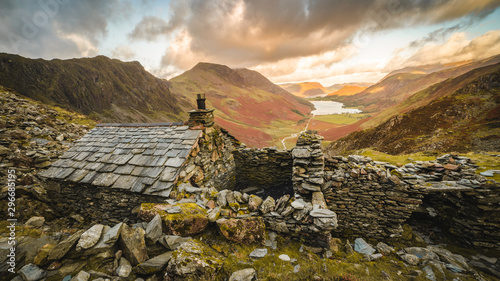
97 205
374 199
263 168
367 199
473 215
211 163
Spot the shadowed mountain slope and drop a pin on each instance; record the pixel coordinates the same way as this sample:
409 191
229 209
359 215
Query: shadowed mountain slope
102 88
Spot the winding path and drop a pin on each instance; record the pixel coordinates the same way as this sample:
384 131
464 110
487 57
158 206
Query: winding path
297 134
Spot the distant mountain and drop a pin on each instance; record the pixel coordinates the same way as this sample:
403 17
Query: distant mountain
348 90
396 88
336 87
251 107
106 89
459 114
305 89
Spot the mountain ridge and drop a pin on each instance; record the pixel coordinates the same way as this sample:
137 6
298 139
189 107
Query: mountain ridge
100 87
461 118
247 103
394 89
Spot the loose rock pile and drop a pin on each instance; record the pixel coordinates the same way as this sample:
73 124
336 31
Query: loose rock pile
32 135
240 217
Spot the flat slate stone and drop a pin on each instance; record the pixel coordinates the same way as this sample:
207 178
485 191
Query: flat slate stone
125 182
124 170
63 247
322 213
106 179
175 162
362 247
191 135
78 175
258 253
154 265
160 187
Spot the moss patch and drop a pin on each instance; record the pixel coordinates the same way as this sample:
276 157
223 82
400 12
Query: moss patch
192 219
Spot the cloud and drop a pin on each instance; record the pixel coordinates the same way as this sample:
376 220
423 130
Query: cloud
245 33
456 48
123 53
56 28
441 33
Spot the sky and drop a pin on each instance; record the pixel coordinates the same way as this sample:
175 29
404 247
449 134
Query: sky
326 41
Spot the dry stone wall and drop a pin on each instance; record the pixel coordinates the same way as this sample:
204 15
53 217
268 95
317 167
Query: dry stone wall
98 205
263 168
472 215
374 199
211 162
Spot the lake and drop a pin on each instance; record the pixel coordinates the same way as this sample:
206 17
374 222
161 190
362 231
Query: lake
331 107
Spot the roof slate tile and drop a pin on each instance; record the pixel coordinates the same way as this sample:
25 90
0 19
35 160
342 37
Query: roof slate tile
125 169
135 157
175 162
105 179
125 182
78 175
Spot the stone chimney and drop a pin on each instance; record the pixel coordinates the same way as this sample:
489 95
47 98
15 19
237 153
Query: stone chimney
201 117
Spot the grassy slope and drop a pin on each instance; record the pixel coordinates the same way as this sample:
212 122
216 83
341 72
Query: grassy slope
103 88
252 108
463 119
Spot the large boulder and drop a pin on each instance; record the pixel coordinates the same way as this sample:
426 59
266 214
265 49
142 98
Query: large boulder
187 219
133 244
247 230
193 261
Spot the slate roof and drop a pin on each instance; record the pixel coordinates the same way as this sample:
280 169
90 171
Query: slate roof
143 158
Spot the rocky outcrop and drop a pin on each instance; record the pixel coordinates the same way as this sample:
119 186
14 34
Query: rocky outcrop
193 261
245 230
182 219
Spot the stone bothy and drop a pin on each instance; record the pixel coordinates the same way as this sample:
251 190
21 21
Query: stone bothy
120 166
109 172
